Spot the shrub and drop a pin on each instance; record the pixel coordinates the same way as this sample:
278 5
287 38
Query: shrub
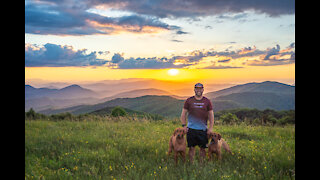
62 116
118 111
32 115
229 118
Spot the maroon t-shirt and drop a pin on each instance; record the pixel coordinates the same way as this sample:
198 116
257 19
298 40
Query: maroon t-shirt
198 112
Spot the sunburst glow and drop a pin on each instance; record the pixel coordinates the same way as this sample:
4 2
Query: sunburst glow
173 72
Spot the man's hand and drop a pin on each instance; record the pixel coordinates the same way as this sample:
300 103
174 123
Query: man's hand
183 119
185 129
211 121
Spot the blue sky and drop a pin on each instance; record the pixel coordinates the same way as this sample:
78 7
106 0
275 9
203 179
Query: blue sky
160 34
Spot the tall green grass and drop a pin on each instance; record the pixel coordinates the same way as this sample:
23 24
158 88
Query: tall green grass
111 149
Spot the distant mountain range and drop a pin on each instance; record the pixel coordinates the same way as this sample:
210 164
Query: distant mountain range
162 105
268 94
69 92
142 92
272 95
42 98
264 87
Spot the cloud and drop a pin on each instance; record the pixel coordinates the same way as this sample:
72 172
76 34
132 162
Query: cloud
275 56
271 52
116 58
174 40
191 8
220 67
147 63
64 18
224 61
247 50
181 32
52 55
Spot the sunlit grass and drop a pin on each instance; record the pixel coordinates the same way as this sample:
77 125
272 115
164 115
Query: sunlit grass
137 150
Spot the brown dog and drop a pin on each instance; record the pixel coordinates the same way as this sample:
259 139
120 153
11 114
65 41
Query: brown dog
177 143
215 145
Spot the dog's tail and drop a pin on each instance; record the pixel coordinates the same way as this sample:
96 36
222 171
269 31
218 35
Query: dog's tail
225 145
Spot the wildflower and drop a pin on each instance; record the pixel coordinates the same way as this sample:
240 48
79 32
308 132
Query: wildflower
110 167
75 168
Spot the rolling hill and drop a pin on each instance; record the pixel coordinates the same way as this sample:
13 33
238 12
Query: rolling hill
41 98
141 92
264 87
258 100
272 95
162 105
69 92
108 111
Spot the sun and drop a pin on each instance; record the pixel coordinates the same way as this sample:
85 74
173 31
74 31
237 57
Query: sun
173 72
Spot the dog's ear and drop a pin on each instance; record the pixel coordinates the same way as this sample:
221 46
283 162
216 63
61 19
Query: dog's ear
175 131
209 135
219 136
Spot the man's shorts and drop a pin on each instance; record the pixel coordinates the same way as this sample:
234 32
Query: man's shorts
197 137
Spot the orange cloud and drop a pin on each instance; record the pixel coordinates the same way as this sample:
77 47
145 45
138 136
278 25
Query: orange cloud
247 50
110 28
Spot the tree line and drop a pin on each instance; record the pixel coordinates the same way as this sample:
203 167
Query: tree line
234 116
115 113
256 117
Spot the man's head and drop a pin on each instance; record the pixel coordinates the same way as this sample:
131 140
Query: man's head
198 89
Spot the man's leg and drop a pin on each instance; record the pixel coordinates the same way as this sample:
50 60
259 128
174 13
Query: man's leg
203 144
202 154
191 153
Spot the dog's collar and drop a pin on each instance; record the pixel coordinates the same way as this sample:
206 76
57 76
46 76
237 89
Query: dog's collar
212 141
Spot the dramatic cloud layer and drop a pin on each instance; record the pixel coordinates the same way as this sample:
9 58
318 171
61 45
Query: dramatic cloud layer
193 8
51 55
73 17
62 18
56 55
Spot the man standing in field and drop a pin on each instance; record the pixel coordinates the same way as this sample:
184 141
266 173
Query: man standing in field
199 109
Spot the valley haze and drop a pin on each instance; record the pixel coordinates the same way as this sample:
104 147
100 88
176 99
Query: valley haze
165 98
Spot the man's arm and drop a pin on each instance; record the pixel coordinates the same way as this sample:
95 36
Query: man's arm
183 118
211 120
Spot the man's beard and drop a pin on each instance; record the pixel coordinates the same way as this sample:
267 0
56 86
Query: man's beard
199 93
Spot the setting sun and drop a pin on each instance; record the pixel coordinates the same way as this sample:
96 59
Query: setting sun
173 72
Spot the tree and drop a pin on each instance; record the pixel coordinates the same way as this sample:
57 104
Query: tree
229 118
118 111
31 114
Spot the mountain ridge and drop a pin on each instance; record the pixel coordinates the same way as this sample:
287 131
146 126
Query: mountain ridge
266 86
262 95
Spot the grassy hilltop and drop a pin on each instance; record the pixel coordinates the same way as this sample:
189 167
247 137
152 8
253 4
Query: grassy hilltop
116 148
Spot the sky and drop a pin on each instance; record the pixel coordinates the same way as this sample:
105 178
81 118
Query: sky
231 41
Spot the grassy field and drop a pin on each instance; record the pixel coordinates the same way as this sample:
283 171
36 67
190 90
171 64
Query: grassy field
111 149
